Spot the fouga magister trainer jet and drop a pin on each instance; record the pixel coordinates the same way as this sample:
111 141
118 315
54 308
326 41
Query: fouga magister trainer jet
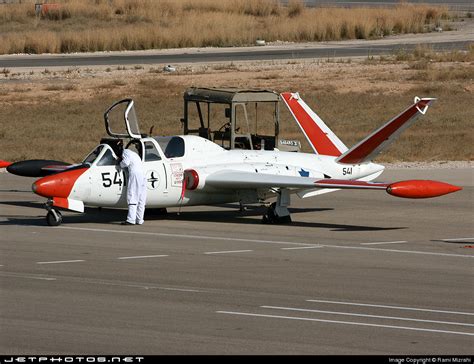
188 170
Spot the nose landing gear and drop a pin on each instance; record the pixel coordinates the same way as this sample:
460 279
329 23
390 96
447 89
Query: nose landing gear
54 216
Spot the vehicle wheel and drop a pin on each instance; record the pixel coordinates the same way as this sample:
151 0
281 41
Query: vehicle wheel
54 218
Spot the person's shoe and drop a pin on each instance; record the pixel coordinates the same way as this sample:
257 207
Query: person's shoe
139 222
126 223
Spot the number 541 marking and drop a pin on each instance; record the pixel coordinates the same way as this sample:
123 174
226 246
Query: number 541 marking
107 181
347 170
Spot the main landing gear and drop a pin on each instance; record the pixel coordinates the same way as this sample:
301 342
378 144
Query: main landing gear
53 217
277 212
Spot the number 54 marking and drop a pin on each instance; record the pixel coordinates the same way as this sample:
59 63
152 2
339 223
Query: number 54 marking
107 181
347 170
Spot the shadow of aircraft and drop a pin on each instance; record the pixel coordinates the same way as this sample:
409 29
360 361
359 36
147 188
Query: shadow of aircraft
250 216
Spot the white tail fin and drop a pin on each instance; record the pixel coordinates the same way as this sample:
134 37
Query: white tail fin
320 137
367 149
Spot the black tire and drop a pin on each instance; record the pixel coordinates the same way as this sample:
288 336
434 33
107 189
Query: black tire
272 218
51 219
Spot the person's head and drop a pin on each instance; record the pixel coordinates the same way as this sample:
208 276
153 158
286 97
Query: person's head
118 148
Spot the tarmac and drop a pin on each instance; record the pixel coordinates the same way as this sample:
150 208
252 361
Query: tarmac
356 272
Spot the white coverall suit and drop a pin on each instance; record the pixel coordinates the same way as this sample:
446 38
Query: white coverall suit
136 187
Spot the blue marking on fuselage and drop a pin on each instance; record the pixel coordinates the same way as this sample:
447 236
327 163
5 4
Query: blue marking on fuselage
303 173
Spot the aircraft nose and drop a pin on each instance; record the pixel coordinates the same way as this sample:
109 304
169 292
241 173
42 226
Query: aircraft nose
57 185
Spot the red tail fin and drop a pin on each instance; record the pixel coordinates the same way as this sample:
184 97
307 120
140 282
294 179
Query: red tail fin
321 138
370 147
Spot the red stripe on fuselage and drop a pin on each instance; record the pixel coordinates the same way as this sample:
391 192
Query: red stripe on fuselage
317 137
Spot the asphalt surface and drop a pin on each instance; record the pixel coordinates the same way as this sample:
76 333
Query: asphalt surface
454 5
355 273
216 55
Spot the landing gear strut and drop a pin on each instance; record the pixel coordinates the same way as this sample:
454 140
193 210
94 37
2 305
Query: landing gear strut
53 217
277 212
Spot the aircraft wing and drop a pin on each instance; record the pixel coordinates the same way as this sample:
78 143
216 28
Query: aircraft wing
230 179
248 180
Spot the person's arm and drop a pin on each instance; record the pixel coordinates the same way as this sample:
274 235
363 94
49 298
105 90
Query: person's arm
125 161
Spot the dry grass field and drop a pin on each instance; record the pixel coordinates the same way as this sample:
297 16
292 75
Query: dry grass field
59 113
98 25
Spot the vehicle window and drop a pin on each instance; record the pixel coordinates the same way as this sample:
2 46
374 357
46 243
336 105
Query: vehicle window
107 159
151 154
173 147
93 155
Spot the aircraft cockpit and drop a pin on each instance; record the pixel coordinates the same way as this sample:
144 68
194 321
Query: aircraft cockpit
102 155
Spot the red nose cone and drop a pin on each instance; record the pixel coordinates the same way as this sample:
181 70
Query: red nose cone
421 189
57 185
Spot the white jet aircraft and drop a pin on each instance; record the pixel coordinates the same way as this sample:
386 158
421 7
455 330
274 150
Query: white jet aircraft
188 170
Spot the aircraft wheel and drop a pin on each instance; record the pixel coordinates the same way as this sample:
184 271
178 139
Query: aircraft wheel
271 217
54 218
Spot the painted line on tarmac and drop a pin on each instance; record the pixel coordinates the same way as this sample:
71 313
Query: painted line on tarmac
400 251
62 261
392 307
368 316
222 238
143 257
37 277
303 247
136 285
229 252
385 242
185 236
347 323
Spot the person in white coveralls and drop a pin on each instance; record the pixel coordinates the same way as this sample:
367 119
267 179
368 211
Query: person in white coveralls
136 186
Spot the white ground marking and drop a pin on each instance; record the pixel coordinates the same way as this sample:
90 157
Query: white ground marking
203 237
230 251
369 316
385 242
134 285
143 257
400 251
346 323
62 261
303 247
392 307
38 277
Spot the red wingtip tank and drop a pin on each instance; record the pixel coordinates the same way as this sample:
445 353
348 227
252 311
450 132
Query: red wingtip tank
421 189
4 164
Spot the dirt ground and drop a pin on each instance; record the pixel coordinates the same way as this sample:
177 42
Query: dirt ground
58 112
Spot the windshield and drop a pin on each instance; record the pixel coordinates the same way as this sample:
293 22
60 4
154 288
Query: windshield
172 147
93 155
107 159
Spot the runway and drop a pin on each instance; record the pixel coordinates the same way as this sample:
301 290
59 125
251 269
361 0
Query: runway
355 273
252 54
